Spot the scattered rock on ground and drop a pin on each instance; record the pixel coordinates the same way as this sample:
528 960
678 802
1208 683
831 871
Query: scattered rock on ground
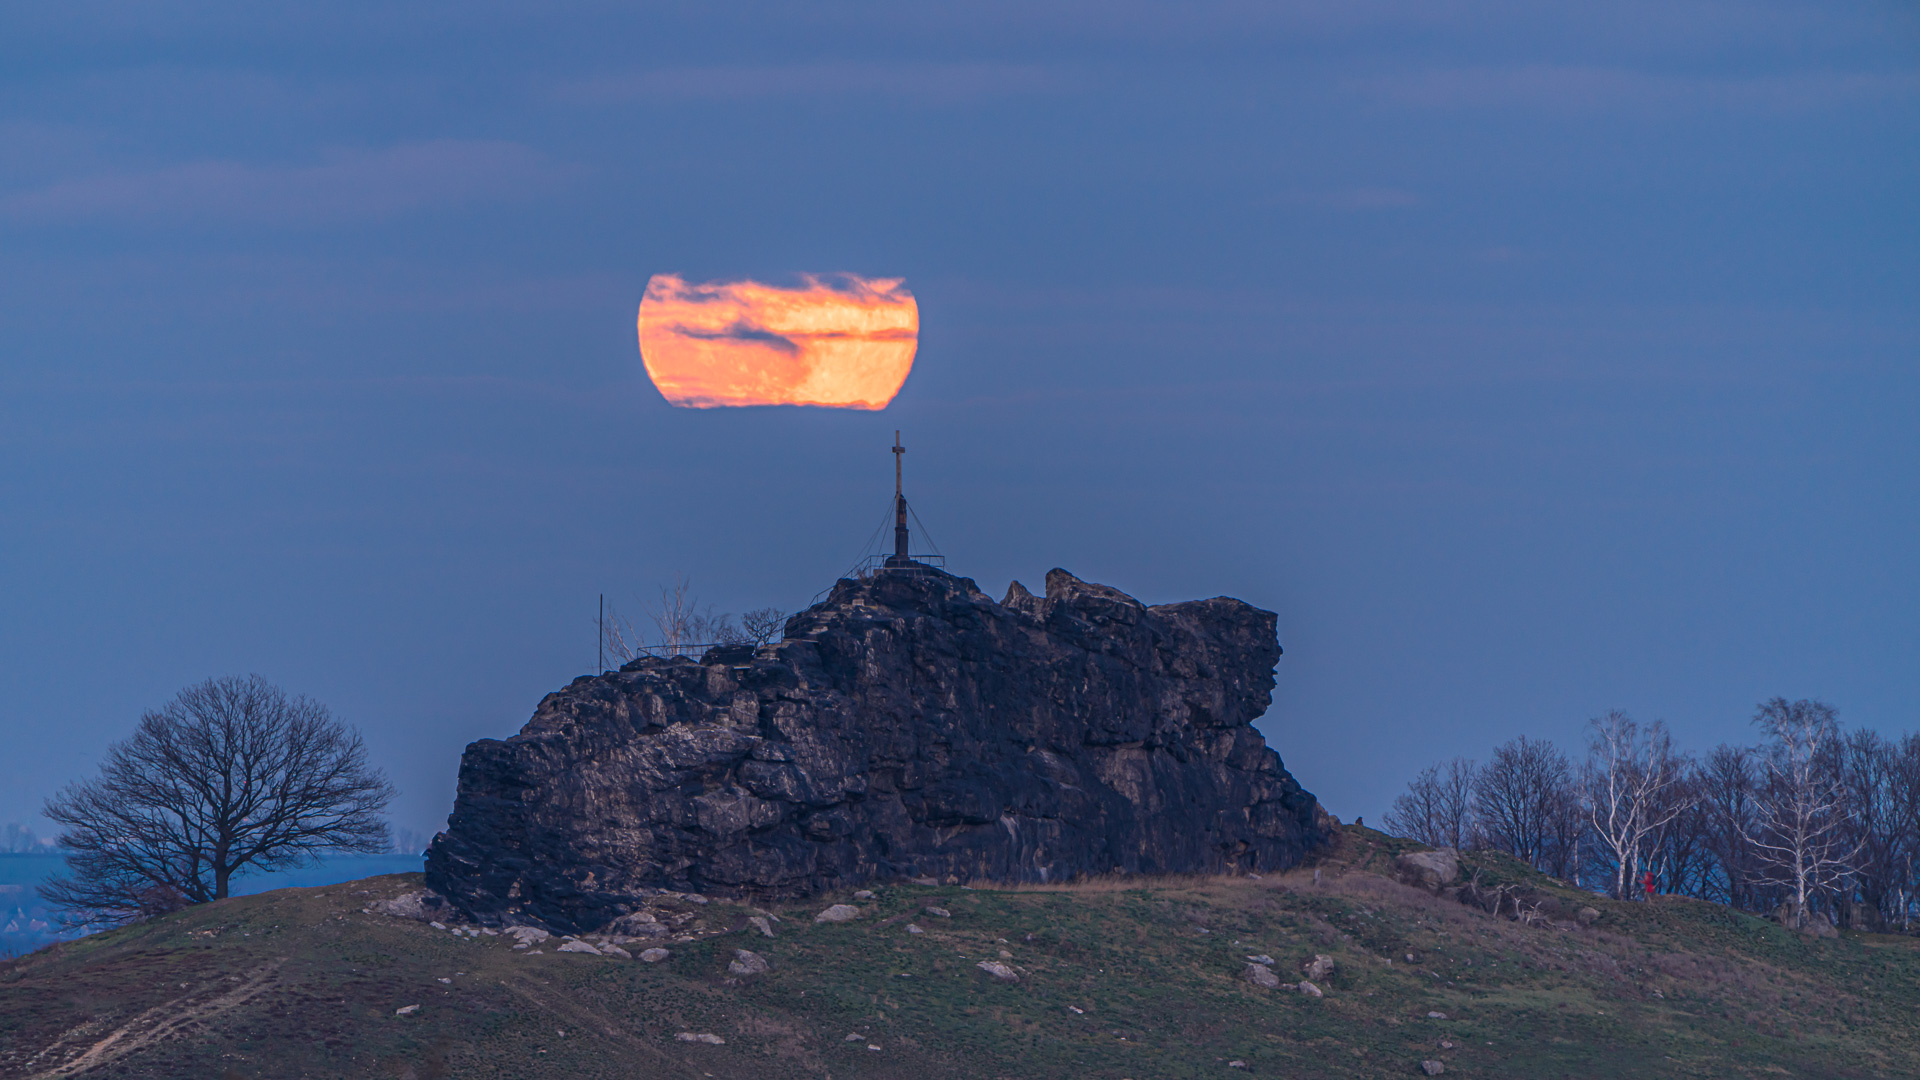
1261 975
927 881
1319 967
998 970
1588 916
527 935
1436 1016
760 923
638 924
938 912
863 894
1236 1064
1429 870
1311 990
654 956
1432 1068
838 913
578 946
421 905
701 1037
615 950
912 929
747 963
1263 958
406 1010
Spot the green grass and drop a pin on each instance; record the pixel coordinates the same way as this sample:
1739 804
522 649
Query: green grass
301 983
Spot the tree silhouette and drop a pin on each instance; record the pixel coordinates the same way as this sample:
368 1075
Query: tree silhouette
230 776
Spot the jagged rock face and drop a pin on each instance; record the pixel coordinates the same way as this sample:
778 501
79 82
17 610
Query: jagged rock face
907 726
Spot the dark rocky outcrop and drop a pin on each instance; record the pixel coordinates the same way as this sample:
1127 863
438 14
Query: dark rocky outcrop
907 726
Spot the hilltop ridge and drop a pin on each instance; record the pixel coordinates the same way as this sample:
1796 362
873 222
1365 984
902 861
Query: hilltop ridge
1114 977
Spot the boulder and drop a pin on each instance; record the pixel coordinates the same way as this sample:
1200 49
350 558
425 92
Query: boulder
998 970
1429 870
654 956
578 946
747 963
837 913
1588 916
906 727
1432 1068
1311 990
1319 967
422 905
1262 976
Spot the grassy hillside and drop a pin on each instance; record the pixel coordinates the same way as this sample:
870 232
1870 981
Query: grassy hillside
1117 979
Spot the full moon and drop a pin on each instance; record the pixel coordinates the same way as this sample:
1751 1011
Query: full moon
835 340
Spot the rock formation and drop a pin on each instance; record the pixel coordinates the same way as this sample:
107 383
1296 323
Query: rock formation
907 726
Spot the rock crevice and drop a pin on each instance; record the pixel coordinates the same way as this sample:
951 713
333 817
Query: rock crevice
906 726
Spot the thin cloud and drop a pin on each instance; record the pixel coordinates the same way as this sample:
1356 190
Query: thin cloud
1599 88
1355 198
741 331
347 185
938 83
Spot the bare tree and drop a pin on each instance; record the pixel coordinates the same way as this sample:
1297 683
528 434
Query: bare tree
1728 789
1524 804
1798 835
1906 789
681 625
231 776
1878 791
1683 860
762 625
1437 807
679 620
619 640
1634 792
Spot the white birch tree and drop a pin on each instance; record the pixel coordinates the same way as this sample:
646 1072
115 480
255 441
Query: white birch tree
1635 790
1798 834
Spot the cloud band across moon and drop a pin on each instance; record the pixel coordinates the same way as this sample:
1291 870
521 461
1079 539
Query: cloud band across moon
834 340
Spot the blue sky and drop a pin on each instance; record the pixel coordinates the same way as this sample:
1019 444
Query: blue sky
1530 362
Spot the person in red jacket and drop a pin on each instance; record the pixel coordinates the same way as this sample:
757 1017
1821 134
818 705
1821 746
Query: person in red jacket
1646 882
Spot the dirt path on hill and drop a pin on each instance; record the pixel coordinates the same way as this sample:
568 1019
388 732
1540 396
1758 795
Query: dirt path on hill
153 1026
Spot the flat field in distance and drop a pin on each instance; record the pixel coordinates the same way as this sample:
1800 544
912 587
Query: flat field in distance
1117 978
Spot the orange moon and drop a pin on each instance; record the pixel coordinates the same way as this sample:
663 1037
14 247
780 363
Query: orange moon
835 340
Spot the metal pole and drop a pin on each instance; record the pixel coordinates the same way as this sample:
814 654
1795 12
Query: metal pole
602 624
899 504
